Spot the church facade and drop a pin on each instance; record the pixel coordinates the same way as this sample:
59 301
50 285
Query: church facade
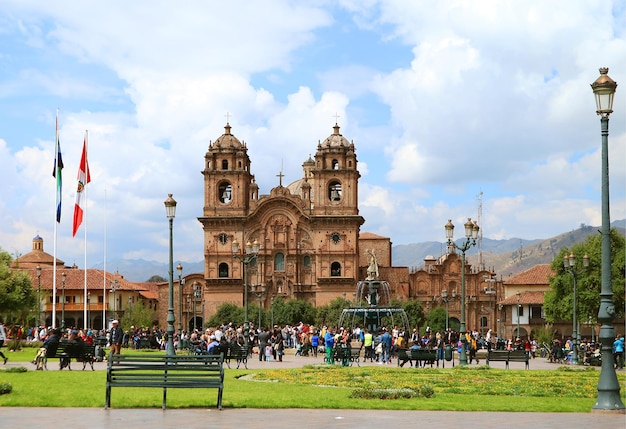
306 232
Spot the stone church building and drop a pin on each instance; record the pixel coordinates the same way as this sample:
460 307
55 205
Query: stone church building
307 232
309 240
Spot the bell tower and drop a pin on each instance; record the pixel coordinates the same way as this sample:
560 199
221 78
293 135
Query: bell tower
335 177
228 184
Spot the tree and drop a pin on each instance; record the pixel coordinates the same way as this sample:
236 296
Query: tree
137 315
558 301
18 300
415 313
329 315
437 319
157 279
227 312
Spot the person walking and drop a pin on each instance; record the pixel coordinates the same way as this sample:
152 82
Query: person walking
3 337
618 352
116 337
386 341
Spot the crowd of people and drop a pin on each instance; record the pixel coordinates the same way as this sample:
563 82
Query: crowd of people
308 340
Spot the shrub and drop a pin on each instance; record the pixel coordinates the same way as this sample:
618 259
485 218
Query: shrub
383 393
5 388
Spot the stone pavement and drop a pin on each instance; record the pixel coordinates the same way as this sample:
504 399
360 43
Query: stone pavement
96 418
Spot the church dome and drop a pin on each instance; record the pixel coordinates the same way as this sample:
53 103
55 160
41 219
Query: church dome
227 140
336 139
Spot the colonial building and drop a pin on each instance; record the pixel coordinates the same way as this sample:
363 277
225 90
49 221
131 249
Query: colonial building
438 283
96 294
307 232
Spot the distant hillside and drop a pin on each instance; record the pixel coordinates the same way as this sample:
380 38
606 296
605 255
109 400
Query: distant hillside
140 270
506 257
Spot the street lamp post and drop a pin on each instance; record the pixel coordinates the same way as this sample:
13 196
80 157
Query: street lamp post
38 271
491 291
114 288
251 253
63 300
518 307
179 270
259 291
88 305
170 212
608 386
568 265
471 234
197 294
444 298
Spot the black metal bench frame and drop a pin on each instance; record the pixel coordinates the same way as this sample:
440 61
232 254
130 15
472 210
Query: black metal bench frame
163 371
66 351
347 355
237 353
508 356
421 357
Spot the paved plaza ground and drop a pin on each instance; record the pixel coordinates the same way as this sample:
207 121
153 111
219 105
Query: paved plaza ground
96 418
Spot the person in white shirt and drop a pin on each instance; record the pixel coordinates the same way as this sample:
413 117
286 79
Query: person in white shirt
3 337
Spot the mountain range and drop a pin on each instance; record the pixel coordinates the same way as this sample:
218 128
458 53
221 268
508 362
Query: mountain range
504 257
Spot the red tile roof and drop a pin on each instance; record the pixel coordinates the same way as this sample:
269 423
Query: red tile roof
525 298
537 275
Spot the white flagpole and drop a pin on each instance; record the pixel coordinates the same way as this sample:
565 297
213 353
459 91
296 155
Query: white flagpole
85 312
104 277
54 259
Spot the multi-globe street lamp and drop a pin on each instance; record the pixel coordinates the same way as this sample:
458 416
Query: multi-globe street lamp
259 291
38 271
63 300
608 386
444 298
179 270
518 312
568 265
250 255
170 212
471 234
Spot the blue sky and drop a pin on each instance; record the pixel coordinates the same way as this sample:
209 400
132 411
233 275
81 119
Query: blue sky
444 101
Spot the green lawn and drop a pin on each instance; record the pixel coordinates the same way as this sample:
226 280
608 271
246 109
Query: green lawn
460 389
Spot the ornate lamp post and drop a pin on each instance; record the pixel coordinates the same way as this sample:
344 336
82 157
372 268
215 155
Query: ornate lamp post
568 264
179 270
491 291
114 288
63 300
444 298
197 294
608 386
251 253
471 234
259 291
38 271
170 212
518 308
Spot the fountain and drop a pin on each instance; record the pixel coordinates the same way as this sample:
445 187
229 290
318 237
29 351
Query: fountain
372 308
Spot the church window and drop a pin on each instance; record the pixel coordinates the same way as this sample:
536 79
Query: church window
335 269
224 164
279 262
306 261
225 192
223 269
335 164
334 191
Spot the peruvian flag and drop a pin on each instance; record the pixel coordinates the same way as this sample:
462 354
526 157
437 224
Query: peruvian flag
83 179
